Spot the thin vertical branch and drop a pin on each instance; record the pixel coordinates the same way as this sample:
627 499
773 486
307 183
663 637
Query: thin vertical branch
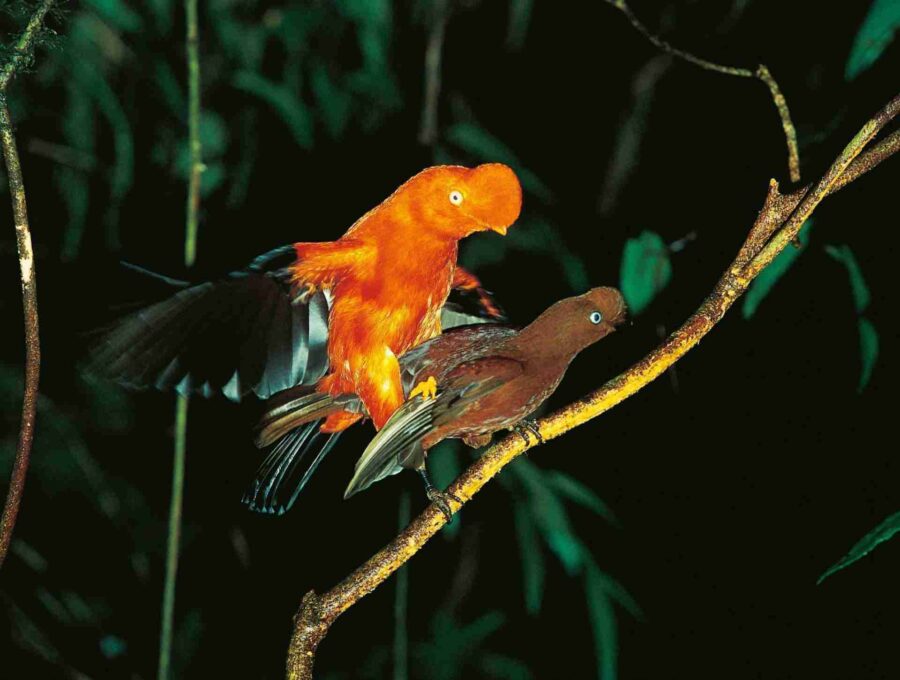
181 406
28 278
433 53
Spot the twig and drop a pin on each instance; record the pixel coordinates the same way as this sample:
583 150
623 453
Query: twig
317 613
28 278
181 406
433 52
761 73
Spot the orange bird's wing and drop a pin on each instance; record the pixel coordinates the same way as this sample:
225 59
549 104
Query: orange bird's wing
322 264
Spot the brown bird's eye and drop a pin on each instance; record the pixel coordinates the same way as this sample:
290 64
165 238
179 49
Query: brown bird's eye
596 317
456 198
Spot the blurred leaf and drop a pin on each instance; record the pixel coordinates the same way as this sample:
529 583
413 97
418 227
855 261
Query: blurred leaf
117 13
453 646
478 142
333 103
861 295
762 285
571 489
444 466
875 33
213 134
530 235
631 132
603 623
162 14
28 555
187 641
112 646
109 405
645 270
532 558
502 666
549 515
865 545
519 18
868 350
170 88
293 112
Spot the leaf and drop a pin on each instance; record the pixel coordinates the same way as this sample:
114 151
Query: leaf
868 351
505 667
534 236
478 142
860 290
571 489
762 285
293 111
645 270
550 516
444 466
117 14
333 102
603 623
532 558
519 18
875 33
865 545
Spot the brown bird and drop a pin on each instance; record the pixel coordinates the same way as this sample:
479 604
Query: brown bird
490 378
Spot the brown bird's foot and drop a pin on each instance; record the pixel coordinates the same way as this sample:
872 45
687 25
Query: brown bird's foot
525 427
440 498
427 389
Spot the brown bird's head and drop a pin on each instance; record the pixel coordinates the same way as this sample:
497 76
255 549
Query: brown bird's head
568 326
458 201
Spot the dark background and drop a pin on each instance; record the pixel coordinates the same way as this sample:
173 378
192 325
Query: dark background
736 482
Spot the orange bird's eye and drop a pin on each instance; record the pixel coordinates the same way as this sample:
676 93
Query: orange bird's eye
456 198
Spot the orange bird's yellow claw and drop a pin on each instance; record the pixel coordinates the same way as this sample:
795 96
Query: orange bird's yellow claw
427 389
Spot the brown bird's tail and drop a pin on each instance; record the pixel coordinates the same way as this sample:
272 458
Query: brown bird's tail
290 426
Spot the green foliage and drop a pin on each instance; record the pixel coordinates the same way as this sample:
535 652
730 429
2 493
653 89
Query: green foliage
540 516
762 285
645 271
533 236
858 287
455 647
868 350
874 35
868 336
865 545
475 141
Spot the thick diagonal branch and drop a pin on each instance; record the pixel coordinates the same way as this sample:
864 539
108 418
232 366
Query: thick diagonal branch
318 612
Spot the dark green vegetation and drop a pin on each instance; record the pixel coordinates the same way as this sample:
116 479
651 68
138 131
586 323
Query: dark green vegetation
736 482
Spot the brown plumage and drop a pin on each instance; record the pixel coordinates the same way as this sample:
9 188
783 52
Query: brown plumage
487 381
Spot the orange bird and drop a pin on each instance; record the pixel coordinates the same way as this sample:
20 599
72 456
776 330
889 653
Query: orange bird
391 273
330 316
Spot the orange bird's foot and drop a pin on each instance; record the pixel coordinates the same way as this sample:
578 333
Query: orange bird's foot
426 388
340 421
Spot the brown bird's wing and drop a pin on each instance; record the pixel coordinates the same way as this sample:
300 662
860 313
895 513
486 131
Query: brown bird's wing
399 443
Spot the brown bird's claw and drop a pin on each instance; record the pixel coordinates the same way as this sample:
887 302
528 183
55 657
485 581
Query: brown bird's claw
525 427
427 389
440 498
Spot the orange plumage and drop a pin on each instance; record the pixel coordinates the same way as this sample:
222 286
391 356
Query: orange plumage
391 273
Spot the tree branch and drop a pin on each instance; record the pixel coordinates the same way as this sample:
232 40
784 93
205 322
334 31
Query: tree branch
29 281
776 225
761 73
